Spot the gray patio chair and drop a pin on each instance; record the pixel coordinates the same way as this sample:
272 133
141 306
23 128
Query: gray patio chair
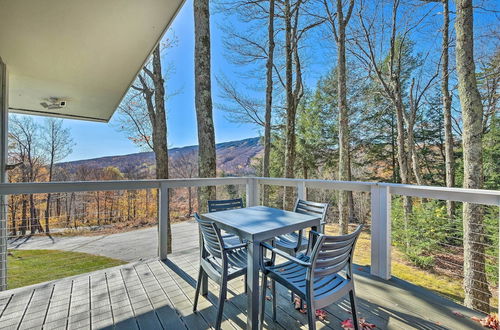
320 277
224 205
295 242
219 262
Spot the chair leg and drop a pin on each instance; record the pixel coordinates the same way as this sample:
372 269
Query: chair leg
352 297
220 306
198 286
275 298
311 316
263 299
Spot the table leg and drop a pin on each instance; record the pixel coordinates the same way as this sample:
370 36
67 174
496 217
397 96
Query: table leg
252 284
314 238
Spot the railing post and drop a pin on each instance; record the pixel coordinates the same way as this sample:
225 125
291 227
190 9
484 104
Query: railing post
252 192
381 231
302 190
4 121
163 220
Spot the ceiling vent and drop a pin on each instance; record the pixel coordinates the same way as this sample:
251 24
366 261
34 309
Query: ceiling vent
53 103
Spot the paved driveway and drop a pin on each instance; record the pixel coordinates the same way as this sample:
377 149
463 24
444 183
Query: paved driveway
134 245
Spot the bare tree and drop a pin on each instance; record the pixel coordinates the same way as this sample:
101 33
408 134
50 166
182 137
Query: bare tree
269 100
25 136
446 104
183 165
338 22
293 82
207 166
57 143
389 74
418 89
446 95
476 289
145 116
249 47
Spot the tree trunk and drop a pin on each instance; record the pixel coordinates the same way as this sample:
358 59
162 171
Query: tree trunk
269 100
401 152
24 215
290 108
47 207
410 126
160 129
207 166
350 194
190 201
98 205
13 214
476 289
34 221
343 120
448 135
47 214
395 169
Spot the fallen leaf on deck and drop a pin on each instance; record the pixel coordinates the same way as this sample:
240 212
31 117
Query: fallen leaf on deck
457 313
347 324
269 298
297 302
490 321
474 318
321 314
365 325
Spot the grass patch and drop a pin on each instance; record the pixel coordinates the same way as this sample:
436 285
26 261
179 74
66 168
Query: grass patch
26 267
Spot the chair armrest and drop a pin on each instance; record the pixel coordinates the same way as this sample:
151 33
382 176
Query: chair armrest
237 246
285 255
315 233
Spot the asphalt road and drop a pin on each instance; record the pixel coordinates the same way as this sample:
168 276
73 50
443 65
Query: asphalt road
141 244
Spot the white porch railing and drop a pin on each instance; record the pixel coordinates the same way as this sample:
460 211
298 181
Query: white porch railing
380 204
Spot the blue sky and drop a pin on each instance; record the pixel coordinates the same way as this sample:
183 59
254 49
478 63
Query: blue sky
100 139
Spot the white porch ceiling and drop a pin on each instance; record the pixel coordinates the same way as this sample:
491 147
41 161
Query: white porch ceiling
86 52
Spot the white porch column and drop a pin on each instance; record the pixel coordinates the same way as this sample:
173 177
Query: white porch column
302 190
252 191
163 220
381 231
4 109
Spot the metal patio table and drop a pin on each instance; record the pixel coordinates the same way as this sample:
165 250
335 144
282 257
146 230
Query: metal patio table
257 224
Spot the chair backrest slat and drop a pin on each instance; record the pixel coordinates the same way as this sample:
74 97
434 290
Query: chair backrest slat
332 253
330 270
226 204
212 240
312 208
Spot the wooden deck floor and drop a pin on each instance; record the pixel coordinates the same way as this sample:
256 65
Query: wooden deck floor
156 294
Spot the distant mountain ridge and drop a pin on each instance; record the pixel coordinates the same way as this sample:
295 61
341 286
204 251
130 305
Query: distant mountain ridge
234 158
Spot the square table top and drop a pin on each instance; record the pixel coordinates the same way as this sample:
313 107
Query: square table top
261 222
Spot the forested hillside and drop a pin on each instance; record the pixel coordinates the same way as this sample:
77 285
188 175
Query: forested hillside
233 158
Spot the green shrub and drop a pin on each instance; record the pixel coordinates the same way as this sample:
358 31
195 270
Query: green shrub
424 232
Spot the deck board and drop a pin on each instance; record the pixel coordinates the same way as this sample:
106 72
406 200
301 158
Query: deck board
154 294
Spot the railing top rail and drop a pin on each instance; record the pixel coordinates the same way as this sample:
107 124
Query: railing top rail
80 186
479 196
317 183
